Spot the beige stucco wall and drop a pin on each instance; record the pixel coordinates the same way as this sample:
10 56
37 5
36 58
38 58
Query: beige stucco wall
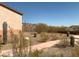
13 19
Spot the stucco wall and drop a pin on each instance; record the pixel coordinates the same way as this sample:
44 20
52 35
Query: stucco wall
14 20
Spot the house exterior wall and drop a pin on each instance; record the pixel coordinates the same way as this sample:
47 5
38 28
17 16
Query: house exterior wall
13 20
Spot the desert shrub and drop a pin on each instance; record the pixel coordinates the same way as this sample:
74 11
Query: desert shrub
36 53
44 37
64 43
0 44
57 36
41 28
18 44
0 48
75 51
54 37
51 53
56 54
22 45
0 39
15 45
60 29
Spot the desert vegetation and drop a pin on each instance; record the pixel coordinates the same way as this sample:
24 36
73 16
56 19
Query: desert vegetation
41 27
75 52
19 45
48 33
44 37
43 33
36 53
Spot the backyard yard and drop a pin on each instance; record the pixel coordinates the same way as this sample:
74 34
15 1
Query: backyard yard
44 44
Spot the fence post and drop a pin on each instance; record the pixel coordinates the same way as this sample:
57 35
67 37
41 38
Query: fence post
72 41
68 33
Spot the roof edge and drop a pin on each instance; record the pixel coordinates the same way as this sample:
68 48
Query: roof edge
11 9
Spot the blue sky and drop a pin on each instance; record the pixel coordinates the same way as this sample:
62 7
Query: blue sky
52 13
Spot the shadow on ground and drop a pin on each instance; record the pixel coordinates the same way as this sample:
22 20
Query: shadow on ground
61 46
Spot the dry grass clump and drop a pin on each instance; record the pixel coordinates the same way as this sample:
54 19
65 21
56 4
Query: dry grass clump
64 43
51 52
36 53
0 48
15 45
54 37
18 45
0 39
57 36
44 37
75 52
